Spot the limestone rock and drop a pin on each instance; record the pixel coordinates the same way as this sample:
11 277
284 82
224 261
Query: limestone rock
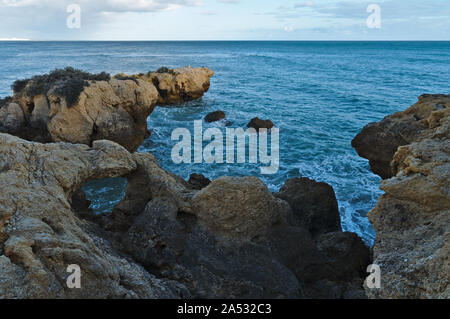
181 84
412 218
238 208
116 109
378 142
40 236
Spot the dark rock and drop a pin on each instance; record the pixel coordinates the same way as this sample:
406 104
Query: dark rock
346 252
215 116
314 205
257 124
198 181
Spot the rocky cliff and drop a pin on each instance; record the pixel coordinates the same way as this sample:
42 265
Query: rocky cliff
77 107
166 239
411 151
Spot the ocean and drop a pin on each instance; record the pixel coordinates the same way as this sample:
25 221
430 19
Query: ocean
320 95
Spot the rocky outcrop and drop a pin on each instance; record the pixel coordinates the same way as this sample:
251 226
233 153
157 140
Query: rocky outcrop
40 236
179 85
68 106
412 218
165 239
378 142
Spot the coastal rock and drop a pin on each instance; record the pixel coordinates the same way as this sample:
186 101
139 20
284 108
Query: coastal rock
238 208
232 239
411 218
40 236
314 205
180 85
86 110
198 181
378 142
258 124
215 116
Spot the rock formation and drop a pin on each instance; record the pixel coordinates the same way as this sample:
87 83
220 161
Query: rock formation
69 106
215 116
165 239
40 236
257 124
412 218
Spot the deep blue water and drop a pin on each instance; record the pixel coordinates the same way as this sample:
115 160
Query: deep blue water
320 95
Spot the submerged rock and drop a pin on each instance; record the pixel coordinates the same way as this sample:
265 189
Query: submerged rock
95 107
412 218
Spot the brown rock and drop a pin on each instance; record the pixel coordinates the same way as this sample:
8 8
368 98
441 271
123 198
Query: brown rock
40 236
411 218
215 116
238 208
198 181
116 109
180 85
378 142
257 124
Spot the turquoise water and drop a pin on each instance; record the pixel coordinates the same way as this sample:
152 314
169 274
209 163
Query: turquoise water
320 95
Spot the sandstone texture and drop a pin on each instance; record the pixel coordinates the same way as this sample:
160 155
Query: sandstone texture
115 108
412 218
165 239
378 142
40 235
180 85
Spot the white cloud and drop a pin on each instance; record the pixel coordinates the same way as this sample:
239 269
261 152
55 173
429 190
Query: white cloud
104 5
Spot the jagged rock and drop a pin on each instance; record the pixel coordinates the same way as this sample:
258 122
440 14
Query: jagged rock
114 109
378 142
215 116
257 124
198 181
180 85
411 218
40 236
314 205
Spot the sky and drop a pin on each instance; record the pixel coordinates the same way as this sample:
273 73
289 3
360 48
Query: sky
225 20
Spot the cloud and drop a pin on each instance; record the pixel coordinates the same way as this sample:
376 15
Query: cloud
103 5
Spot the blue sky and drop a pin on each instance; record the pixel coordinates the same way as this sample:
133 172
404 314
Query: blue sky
225 20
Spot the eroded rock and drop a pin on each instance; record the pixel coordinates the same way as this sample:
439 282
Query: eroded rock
40 235
114 109
412 218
